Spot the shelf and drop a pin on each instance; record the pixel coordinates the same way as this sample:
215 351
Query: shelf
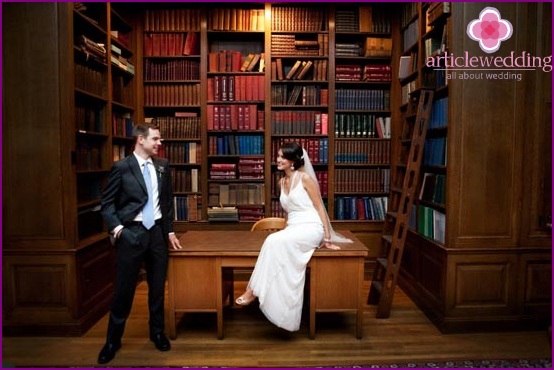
122 106
155 82
91 95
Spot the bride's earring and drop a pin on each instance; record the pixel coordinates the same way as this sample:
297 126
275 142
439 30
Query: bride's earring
292 167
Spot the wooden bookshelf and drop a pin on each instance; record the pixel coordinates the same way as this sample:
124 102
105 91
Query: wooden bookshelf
56 252
467 232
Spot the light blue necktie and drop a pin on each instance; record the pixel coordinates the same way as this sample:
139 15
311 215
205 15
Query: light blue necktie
148 210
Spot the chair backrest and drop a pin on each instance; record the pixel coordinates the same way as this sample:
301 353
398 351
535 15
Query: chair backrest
269 223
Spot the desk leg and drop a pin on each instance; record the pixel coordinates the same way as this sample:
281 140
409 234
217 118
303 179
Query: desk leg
219 297
361 300
313 278
172 322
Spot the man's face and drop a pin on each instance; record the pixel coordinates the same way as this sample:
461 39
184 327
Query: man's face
152 142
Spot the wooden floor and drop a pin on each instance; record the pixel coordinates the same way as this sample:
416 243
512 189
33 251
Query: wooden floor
251 341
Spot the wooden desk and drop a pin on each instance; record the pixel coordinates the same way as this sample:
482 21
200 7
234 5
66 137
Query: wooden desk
196 283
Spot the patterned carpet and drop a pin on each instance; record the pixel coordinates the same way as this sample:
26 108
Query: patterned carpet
534 364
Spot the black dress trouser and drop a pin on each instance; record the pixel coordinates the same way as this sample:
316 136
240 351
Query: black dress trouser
136 245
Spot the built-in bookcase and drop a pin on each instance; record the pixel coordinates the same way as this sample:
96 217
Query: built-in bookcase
172 94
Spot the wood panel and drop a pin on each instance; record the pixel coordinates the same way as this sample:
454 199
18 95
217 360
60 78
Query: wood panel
484 146
537 175
34 142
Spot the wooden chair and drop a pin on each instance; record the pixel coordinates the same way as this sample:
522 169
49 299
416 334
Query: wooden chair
269 223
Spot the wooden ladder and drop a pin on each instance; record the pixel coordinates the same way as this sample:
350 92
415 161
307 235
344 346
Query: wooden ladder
403 191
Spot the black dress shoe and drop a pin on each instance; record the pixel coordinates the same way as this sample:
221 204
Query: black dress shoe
108 352
161 342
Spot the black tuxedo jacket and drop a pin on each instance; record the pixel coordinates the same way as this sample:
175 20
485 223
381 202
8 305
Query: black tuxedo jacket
125 194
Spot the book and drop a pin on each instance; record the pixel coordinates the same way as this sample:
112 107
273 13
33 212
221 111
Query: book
247 62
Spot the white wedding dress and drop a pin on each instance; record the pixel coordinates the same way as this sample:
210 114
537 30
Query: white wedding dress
280 272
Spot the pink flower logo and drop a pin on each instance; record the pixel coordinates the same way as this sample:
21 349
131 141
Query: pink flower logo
490 30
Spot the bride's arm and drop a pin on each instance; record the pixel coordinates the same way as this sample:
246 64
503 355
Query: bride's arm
313 192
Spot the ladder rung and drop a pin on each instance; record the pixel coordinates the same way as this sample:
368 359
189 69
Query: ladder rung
378 286
395 189
383 262
392 214
387 238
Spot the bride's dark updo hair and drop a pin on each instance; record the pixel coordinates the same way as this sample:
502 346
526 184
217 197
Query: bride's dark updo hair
293 152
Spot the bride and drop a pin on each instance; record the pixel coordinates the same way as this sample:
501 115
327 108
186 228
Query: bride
279 275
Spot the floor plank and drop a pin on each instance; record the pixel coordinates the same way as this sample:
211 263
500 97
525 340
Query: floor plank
251 341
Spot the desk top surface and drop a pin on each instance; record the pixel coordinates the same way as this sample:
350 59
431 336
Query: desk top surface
250 242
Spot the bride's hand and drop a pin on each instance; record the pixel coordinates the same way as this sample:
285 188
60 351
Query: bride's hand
331 246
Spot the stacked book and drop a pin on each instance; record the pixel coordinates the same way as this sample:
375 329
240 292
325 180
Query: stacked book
346 20
92 49
348 50
223 214
377 73
223 171
348 72
251 168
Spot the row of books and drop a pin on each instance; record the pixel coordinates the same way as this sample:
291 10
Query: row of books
121 37
291 45
90 80
187 208
236 145
349 125
120 151
288 18
436 10
223 214
251 168
406 90
434 153
439 114
362 152
360 208
236 88
185 180
317 148
171 44
233 61
172 20
171 70
313 70
122 91
299 122
89 118
250 212
321 175
434 78
369 72
166 95
299 95
353 19
236 194
89 155
233 19
235 117
223 171
181 153
433 188
365 180
122 125
430 223
120 61
361 99
410 35
179 127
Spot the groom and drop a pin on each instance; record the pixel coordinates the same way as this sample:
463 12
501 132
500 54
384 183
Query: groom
137 206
